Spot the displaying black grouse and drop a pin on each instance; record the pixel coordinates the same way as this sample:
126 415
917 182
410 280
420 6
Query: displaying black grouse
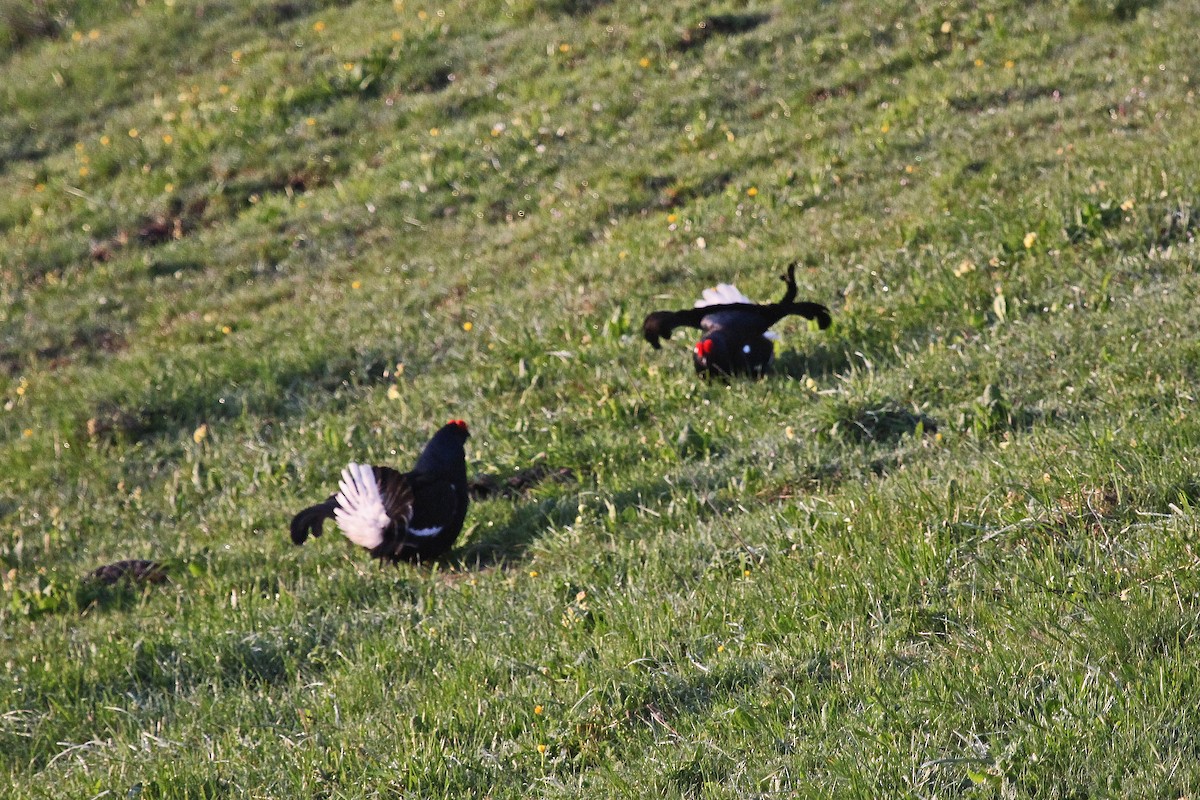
400 516
736 338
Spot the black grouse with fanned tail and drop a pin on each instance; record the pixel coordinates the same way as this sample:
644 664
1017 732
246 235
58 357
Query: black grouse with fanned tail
400 516
736 340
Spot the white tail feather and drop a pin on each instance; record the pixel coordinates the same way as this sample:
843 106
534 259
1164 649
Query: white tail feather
720 295
360 514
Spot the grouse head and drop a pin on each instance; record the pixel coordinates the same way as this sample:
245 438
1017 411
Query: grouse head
445 454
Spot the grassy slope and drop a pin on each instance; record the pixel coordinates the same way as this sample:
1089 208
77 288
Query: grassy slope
948 550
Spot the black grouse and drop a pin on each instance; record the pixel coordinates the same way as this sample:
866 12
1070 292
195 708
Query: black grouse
736 338
400 516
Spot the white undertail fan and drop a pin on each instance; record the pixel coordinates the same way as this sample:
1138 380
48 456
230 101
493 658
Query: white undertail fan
720 295
360 513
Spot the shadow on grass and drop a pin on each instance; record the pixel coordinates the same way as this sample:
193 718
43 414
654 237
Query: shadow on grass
510 541
819 362
248 389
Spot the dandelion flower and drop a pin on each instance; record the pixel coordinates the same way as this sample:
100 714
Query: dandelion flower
468 325
645 62
422 15
752 192
133 133
1009 64
672 218
720 648
1127 205
397 36
393 392
223 88
1029 239
83 172
542 749
319 25
168 138
356 285
789 432
564 48
885 127
538 710
946 27
979 62
27 432
105 141
77 36
533 573
434 132
93 34
225 329
200 434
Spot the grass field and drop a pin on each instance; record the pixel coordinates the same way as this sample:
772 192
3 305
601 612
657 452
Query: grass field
949 549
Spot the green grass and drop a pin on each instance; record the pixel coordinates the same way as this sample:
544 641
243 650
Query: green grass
949 549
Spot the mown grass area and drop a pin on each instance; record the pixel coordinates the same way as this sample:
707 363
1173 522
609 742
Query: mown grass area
948 549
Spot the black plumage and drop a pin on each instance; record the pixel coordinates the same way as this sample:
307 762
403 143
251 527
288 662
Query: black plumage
400 516
735 340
